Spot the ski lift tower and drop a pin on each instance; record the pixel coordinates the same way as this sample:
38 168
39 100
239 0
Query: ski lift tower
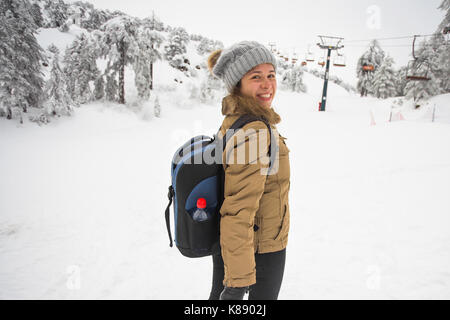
272 45
329 44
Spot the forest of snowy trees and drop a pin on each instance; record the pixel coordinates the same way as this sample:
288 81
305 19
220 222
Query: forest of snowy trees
55 82
74 77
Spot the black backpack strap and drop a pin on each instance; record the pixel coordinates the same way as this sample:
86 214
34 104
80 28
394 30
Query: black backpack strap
170 196
245 119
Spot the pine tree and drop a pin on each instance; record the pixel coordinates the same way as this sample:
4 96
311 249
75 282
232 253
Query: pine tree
372 57
58 99
36 13
426 64
175 49
400 81
120 46
81 67
21 80
210 87
438 57
384 80
57 12
445 6
293 79
149 41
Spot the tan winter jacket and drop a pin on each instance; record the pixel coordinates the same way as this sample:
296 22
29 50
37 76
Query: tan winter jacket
255 211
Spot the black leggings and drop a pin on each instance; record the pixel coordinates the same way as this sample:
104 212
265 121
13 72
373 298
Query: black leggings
269 275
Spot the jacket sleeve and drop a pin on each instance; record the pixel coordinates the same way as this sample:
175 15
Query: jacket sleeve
245 162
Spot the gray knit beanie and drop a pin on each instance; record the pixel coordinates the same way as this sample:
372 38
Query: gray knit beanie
235 61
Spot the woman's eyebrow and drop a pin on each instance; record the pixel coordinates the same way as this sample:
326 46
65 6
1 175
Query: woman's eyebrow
257 71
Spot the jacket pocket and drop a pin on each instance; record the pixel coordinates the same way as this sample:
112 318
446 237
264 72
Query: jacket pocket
284 228
284 148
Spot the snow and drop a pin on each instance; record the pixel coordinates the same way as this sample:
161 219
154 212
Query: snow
61 40
83 198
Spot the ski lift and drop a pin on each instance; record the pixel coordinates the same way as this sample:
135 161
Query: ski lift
417 69
339 61
368 67
309 55
294 58
321 62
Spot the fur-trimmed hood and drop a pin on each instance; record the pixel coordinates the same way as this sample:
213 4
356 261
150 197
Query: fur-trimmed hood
234 104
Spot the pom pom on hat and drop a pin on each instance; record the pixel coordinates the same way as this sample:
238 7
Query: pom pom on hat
212 59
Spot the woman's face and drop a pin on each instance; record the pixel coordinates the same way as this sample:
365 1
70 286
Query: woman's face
260 83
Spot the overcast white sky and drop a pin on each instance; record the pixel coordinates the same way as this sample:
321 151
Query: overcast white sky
293 24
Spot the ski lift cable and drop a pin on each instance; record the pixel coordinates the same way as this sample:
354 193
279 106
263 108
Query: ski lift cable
398 45
392 38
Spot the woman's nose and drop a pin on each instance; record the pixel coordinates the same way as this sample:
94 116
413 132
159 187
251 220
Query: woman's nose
265 83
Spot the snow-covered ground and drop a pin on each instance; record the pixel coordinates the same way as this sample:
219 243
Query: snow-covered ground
83 199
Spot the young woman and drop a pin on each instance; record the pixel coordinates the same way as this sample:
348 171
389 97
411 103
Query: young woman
255 213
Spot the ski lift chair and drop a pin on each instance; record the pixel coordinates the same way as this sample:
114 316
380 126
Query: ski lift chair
309 57
417 71
339 61
368 67
321 62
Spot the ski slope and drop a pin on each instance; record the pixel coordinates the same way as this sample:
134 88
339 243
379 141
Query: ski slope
83 199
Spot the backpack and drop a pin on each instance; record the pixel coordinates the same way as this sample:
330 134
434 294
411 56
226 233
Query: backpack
201 179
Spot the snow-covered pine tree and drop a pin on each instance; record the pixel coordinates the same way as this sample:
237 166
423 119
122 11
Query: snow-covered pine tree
210 87
293 79
384 79
372 57
439 61
36 13
58 101
57 13
400 81
21 80
149 41
92 18
445 24
80 62
428 63
153 23
120 47
207 46
175 49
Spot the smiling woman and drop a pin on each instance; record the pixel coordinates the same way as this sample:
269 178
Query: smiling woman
254 221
